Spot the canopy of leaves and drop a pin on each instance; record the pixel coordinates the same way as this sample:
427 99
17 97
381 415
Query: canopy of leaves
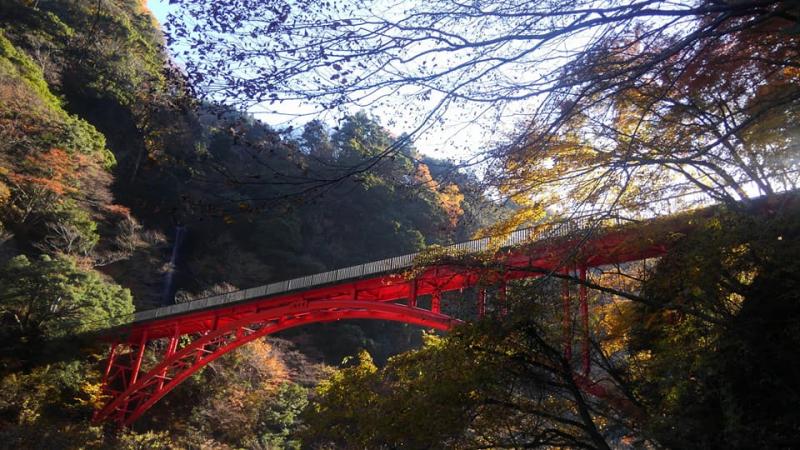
52 297
733 383
497 383
715 116
616 103
697 353
649 100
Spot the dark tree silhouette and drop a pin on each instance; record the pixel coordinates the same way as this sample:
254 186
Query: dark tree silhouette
661 95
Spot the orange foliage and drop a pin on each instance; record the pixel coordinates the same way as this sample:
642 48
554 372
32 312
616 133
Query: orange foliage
265 363
54 186
423 177
119 210
249 377
5 193
448 196
59 171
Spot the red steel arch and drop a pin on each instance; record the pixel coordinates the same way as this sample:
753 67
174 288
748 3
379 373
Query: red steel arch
134 391
214 330
219 329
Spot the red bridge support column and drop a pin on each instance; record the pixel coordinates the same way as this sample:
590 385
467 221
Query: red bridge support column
107 374
137 363
584 310
171 348
110 363
567 318
132 390
502 304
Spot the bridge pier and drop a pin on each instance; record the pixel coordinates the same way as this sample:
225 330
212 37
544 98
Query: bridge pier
502 305
412 296
172 346
110 362
481 303
137 363
566 320
584 311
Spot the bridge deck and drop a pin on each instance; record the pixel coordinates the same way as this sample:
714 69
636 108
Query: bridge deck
196 333
374 268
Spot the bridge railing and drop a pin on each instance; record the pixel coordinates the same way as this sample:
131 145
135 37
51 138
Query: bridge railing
588 221
518 237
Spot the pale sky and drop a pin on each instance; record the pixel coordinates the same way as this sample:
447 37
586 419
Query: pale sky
454 139
458 136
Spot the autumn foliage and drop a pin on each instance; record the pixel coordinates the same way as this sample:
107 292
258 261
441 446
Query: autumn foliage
448 195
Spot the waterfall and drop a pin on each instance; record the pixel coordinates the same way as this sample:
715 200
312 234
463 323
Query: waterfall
166 295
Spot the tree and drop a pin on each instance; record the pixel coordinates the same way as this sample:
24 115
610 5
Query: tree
615 102
499 383
47 298
49 383
715 120
279 417
245 400
692 352
730 384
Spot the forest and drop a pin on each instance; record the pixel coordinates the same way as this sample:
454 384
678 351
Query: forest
136 172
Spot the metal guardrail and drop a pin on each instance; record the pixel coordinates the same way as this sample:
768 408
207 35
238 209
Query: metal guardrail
526 235
518 237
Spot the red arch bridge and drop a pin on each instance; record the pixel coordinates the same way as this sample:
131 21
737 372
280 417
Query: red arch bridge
197 332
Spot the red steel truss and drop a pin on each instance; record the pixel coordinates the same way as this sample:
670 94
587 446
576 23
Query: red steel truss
134 390
180 345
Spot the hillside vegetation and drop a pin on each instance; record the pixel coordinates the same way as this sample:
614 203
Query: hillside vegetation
108 166
123 189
